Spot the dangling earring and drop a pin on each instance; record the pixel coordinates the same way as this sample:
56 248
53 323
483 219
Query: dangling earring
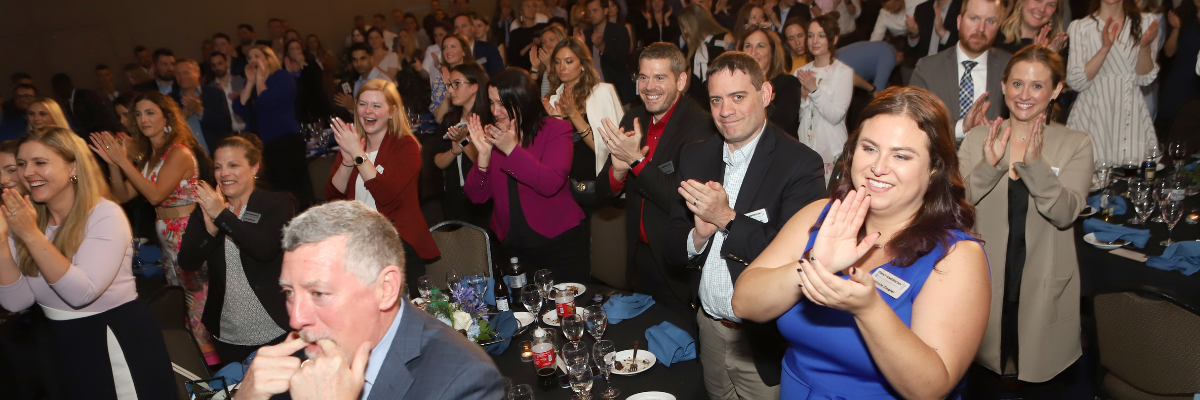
168 129
74 179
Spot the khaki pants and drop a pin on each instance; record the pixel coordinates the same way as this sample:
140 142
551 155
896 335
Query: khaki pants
729 371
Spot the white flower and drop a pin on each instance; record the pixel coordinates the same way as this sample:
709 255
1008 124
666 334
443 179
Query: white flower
462 320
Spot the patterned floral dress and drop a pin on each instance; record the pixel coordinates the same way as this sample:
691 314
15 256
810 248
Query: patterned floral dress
170 235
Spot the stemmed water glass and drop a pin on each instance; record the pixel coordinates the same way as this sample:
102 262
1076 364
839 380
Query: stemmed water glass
581 379
1143 203
531 297
597 321
1103 173
544 278
1178 152
453 279
478 285
1161 190
1171 211
425 286
521 392
604 352
573 327
574 352
1137 187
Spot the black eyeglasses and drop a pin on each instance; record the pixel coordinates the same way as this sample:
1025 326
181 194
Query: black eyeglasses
767 25
25 96
456 84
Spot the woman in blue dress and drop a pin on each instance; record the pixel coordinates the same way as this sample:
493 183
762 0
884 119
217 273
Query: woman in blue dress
865 314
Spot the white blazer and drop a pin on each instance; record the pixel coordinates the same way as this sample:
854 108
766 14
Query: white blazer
603 103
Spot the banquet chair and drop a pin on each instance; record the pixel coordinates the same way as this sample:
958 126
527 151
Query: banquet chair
609 247
169 309
1147 345
318 173
464 247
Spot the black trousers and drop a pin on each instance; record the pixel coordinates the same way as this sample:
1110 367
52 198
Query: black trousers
568 255
286 169
414 267
671 286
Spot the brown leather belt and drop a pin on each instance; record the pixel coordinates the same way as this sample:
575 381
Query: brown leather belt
174 212
726 323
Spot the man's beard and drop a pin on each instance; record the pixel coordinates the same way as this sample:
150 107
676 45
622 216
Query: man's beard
220 73
666 99
987 45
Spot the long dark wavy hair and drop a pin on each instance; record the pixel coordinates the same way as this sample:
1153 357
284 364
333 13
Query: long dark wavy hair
475 75
520 98
1131 10
945 206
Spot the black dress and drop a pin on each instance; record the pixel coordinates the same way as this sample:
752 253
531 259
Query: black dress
567 254
517 40
312 101
1014 267
650 31
698 88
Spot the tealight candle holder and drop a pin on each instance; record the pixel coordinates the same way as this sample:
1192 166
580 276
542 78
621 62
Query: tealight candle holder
526 352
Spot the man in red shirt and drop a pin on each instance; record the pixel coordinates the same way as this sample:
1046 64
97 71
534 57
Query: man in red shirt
644 167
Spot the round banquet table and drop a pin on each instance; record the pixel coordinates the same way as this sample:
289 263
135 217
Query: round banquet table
683 379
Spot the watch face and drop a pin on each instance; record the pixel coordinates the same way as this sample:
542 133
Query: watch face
359 160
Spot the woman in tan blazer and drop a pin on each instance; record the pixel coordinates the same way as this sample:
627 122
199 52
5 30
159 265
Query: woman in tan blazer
1029 180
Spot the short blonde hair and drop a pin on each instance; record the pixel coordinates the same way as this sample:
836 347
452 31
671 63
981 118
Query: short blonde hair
397 119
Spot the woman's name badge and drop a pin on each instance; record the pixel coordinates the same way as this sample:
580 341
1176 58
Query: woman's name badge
888 283
251 217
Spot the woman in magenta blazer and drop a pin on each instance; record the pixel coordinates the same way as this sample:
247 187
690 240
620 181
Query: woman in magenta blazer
522 167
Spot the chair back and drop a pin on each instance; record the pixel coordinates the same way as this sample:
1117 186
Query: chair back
610 247
186 359
318 174
1148 341
464 247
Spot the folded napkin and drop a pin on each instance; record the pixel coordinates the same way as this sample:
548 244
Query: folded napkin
1118 208
670 344
489 295
620 307
505 325
1183 257
1106 232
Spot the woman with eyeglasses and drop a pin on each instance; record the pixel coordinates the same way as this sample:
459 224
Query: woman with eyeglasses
468 97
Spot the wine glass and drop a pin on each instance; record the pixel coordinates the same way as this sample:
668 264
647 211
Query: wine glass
453 279
1171 211
1143 203
1103 174
425 286
1130 164
597 321
604 352
1137 187
1161 190
574 352
545 279
521 392
581 379
478 284
573 327
531 296
1178 152
1153 149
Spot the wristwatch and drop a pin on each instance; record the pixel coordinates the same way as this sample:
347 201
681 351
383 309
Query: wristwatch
636 162
728 226
359 160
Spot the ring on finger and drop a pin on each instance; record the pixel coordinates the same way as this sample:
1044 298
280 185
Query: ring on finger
305 362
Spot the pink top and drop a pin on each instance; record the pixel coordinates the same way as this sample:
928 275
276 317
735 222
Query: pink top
101 273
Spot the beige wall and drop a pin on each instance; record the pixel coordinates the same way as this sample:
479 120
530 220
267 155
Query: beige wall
44 37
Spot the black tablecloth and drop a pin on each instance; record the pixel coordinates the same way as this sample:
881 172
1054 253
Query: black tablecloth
1102 272
684 379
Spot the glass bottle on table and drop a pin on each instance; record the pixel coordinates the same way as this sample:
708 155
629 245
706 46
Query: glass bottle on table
516 274
500 292
1150 164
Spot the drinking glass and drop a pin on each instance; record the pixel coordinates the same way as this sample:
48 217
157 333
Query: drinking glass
1137 187
1143 203
531 296
1178 152
1171 211
604 352
1161 190
1130 164
478 284
544 278
453 279
596 321
573 327
1103 174
1153 149
581 379
574 352
425 286
521 392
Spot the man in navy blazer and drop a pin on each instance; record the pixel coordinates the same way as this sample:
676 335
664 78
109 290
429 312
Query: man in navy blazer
343 271
486 53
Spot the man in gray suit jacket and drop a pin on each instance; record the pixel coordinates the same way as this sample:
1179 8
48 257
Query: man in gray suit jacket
955 76
343 271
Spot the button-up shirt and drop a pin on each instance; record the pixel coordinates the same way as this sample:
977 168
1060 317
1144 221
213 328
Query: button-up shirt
978 80
379 354
375 74
716 285
194 120
165 89
654 134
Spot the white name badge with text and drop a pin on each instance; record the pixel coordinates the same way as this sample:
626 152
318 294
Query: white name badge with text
889 283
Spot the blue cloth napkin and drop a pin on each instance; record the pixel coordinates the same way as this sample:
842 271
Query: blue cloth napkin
233 372
670 344
620 307
1107 232
1119 208
1183 257
489 296
505 325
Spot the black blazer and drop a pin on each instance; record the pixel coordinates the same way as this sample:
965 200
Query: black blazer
90 113
151 86
216 123
259 244
658 181
488 56
924 16
800 8
614 57
784 177
782 110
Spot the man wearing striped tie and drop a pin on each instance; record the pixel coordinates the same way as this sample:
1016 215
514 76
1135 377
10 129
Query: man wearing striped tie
961 76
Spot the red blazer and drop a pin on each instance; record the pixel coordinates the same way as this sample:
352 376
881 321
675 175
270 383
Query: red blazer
394 190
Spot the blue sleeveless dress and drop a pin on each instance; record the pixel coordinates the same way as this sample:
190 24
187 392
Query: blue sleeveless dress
827 357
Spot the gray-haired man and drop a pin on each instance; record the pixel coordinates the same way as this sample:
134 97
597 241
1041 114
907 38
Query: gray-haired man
343 270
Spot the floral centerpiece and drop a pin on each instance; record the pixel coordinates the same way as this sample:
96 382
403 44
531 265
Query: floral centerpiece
465 313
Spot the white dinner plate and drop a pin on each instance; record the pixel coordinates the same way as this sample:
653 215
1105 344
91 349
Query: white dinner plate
579 288
1091 239
646 360
651 396
551 317
523 318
